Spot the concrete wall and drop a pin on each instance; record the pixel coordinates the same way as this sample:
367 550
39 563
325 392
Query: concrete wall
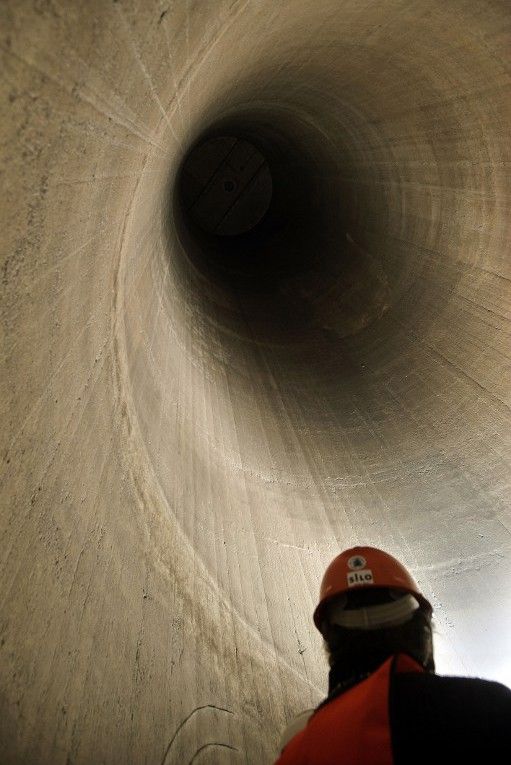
181 460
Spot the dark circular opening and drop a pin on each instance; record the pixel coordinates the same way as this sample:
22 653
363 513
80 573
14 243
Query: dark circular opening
250 211
287 270
225 186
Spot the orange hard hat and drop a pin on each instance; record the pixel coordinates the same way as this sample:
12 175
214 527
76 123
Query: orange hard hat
365 567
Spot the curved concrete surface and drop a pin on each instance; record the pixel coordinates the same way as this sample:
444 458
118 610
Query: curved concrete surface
185 446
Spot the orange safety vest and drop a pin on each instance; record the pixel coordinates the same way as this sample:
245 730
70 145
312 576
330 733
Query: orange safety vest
353 728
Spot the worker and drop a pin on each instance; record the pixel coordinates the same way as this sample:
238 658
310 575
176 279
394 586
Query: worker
385 704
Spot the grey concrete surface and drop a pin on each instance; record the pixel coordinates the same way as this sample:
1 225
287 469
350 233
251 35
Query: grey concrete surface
180 459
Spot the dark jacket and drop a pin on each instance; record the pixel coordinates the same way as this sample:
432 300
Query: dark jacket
405 716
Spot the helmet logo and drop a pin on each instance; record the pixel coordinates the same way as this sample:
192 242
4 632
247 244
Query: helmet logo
364 577
356 562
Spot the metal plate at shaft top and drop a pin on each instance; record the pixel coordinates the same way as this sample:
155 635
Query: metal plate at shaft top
226 186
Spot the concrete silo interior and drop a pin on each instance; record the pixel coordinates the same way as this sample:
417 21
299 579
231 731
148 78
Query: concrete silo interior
255 310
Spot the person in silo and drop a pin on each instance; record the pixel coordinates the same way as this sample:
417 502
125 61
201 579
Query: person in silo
385 704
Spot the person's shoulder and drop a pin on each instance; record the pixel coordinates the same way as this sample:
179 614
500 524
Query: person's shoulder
477 684
465 694
468 719
297 724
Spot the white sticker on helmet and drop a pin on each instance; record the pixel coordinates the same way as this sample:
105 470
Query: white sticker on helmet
360 577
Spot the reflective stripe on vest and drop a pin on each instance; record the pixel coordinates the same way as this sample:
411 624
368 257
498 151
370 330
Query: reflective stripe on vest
353 728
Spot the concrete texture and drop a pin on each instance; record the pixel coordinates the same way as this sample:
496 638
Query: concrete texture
181 458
